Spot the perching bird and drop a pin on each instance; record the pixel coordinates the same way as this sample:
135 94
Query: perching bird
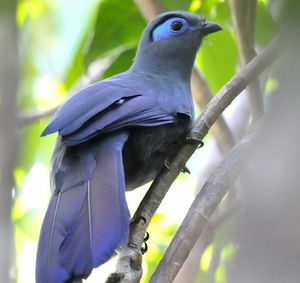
114 135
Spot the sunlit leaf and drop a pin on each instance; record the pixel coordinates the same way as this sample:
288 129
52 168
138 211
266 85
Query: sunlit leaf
19 175
206 258
45 144
195 6
160 237
227 252
220 275
271 85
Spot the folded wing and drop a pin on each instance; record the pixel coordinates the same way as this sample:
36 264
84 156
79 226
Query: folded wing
105 107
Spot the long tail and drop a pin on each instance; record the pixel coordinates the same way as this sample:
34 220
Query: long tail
86 223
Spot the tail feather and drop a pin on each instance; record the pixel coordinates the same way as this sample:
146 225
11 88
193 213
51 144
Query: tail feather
86 224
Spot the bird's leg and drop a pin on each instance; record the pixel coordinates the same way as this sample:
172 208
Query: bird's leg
190 138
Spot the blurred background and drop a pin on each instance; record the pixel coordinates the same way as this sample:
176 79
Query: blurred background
50 49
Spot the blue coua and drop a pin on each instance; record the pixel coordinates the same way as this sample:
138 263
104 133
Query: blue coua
115 135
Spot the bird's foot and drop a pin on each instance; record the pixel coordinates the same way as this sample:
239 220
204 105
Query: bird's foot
134 221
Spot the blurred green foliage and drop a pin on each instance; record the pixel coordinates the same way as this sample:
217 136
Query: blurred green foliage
59 40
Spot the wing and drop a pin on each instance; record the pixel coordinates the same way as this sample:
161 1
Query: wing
104 107
84 225
133 111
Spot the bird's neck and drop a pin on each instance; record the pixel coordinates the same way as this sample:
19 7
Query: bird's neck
173 68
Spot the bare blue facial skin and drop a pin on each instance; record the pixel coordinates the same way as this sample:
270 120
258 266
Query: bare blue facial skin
170 28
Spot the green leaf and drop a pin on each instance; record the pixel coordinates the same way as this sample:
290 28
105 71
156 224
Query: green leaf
45 144
222 15
30 142
76 69
206 258
118 23
33 145
266 26
159 241
207 6
121 63
170 5
218 59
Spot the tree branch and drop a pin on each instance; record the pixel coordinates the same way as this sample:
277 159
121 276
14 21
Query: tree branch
165 178
149 8
243 14
223 213
203 206
9 79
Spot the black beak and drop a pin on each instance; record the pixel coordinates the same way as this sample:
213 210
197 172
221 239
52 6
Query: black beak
210 27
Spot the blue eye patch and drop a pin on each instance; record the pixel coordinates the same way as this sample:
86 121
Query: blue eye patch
170 28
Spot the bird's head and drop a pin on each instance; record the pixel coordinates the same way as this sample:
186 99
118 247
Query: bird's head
170 42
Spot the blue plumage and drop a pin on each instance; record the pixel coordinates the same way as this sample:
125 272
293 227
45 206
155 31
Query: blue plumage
115 135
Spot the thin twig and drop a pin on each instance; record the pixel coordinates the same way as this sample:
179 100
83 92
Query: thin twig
243 14
209 115
149 8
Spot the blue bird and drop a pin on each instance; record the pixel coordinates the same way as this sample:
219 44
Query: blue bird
116 135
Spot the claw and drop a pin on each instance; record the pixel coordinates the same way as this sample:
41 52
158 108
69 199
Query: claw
147 237
194 140
144 249
166 163
185 170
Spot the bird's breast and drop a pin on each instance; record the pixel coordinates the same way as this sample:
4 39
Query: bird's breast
148 148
